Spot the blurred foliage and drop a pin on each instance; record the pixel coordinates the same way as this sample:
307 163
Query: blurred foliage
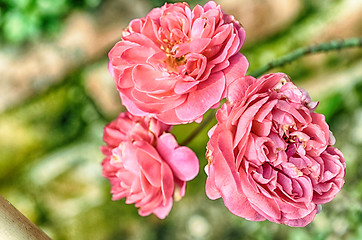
158 3
49 144
311 20
61 113
27 20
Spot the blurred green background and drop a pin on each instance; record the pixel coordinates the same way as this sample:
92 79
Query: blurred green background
56 96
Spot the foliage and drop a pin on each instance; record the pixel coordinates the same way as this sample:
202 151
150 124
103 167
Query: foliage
27 20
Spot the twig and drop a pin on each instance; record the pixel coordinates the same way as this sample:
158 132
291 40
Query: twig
199 128
15 226
321 47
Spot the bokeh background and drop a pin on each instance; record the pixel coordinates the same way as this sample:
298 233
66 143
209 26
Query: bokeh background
56 96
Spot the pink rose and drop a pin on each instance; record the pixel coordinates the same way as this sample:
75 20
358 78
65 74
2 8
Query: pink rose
270 155
145 165
176 62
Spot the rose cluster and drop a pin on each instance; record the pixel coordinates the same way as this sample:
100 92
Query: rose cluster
270 156
145 164
175 63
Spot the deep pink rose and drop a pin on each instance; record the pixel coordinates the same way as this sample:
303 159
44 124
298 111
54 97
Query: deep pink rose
145 165
176 63
270 155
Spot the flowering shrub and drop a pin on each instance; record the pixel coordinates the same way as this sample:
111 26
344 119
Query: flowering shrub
270 155
175 63
145 164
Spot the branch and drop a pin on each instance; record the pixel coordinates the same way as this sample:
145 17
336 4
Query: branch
321 47
14 225
199 128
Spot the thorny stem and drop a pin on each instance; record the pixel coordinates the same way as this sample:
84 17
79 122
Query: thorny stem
199 128
300 52
288 58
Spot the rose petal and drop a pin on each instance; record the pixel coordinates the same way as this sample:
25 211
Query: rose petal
182 160
199 101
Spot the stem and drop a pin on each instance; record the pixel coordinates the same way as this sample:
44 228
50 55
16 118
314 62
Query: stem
300 52
92 102
199 128
288 58
14 225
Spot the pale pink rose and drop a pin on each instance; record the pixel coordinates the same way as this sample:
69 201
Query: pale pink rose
145 165
270 155
176 63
